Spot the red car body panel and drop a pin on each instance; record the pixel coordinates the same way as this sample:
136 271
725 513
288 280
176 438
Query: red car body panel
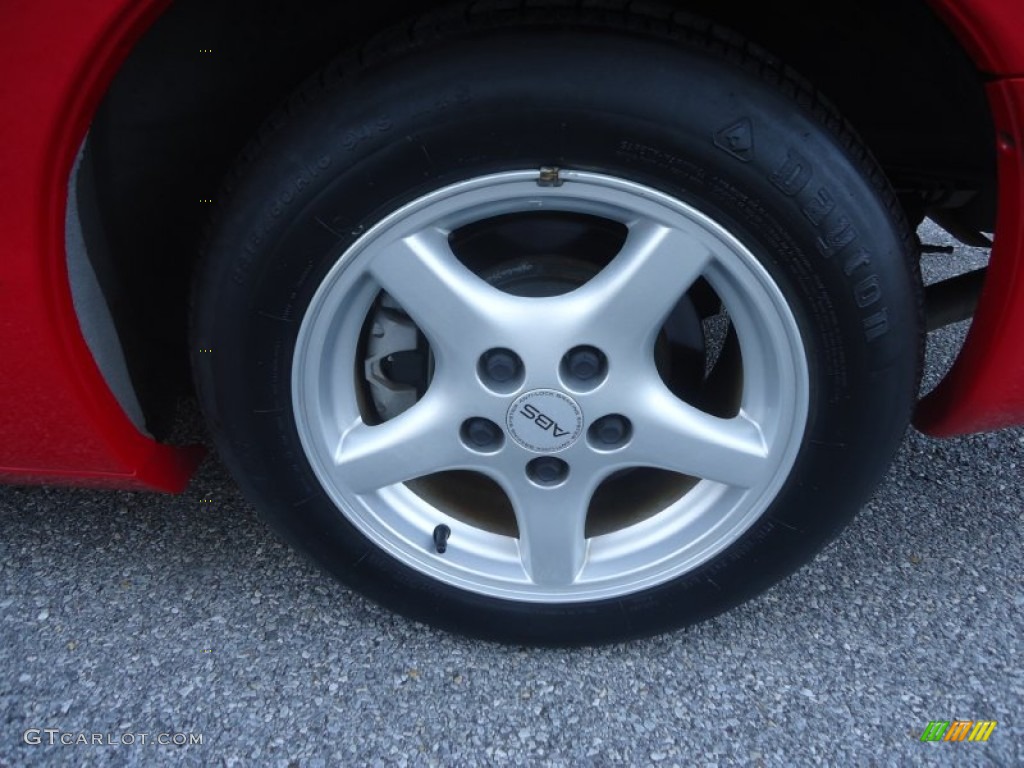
985 387
60 421
991 31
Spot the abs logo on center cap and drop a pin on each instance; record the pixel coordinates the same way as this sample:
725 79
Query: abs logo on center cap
544 421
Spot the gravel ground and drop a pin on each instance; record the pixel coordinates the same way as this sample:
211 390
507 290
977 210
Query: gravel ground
127 613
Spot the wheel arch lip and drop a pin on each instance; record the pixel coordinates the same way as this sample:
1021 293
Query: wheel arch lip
984 390
991 32
57 386
63 423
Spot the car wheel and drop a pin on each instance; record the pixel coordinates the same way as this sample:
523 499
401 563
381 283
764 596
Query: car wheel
558 327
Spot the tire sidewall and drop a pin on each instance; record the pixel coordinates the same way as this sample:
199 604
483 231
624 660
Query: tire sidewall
680 118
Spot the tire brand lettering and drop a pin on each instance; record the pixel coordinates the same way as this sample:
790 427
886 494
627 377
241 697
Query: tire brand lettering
876 325
859 258
867 292
819 206
835 234
792 176
838 233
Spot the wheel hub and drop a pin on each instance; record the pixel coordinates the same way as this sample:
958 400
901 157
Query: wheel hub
544 421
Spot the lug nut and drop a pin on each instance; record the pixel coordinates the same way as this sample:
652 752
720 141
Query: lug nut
500 365
585 364
547 470
584 367
481 433
611 430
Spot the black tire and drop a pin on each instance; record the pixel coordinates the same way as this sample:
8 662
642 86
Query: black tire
672 103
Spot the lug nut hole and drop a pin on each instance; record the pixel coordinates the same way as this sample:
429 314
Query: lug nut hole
482 435
610 432
547 471
501 370
584 368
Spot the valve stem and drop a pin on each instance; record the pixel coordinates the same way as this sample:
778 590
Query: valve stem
441 534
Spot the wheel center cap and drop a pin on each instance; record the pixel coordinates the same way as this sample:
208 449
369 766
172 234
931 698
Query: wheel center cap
544 421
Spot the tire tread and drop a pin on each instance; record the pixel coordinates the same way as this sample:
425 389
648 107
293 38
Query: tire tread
657 19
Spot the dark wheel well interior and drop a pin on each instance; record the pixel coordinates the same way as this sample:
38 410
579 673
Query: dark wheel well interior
207 74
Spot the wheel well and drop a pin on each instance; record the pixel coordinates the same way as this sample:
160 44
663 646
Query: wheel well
208 73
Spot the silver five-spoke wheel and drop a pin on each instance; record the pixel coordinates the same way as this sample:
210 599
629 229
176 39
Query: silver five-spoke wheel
548 396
